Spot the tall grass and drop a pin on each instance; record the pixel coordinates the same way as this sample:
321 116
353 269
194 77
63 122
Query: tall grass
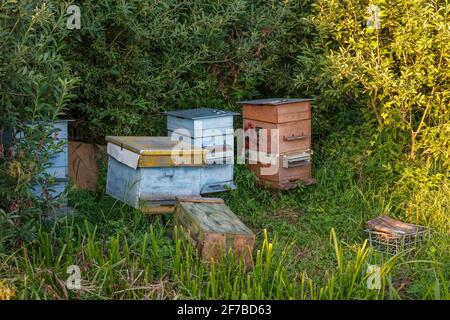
116 267
269 277
123 255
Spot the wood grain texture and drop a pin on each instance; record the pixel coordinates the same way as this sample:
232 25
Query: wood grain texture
243 247
153 210
213 228
215 217
83 158
171 181
391 226
286 185
151 184
220 175
200 200
145 145
168 161
291 122
213 133
205 142
57 162
278 113
133 185
123 183
283 174
278 177
219 146
213 246
301 128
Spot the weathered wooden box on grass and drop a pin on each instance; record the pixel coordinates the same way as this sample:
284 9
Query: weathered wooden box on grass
143 173
213 228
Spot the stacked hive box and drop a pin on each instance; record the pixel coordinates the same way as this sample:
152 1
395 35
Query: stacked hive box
212 130
57 167
285 124
59 161
148 173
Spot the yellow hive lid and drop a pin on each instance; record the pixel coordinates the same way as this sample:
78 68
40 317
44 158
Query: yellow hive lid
158 151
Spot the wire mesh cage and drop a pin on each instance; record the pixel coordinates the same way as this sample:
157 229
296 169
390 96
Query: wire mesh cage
394 243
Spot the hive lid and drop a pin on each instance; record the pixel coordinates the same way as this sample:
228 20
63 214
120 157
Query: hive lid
154 152
152 145
275 101
385 224
214 217
200 113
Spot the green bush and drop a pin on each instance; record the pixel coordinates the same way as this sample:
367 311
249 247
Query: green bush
35 86
396 75
138 58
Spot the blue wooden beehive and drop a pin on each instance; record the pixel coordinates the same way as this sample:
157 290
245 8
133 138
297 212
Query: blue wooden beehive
143 173
210 129
58 162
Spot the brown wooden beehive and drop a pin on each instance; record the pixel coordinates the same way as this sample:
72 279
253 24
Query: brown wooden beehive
289 169
280 128
292 136
213 228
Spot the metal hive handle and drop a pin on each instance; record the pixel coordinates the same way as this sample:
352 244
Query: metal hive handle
297 163
168 174
294 138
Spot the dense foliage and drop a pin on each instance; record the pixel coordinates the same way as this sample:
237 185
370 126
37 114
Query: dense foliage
397 71
391 63
138 58
34 88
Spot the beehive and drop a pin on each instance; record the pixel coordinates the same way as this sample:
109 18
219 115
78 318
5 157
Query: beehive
210 129
57 163
288 170
292 136
213 228
279 129
148 173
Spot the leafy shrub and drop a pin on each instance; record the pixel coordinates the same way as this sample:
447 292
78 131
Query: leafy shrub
138 58
396 74
35 87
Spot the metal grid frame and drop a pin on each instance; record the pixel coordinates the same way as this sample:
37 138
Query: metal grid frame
393 244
